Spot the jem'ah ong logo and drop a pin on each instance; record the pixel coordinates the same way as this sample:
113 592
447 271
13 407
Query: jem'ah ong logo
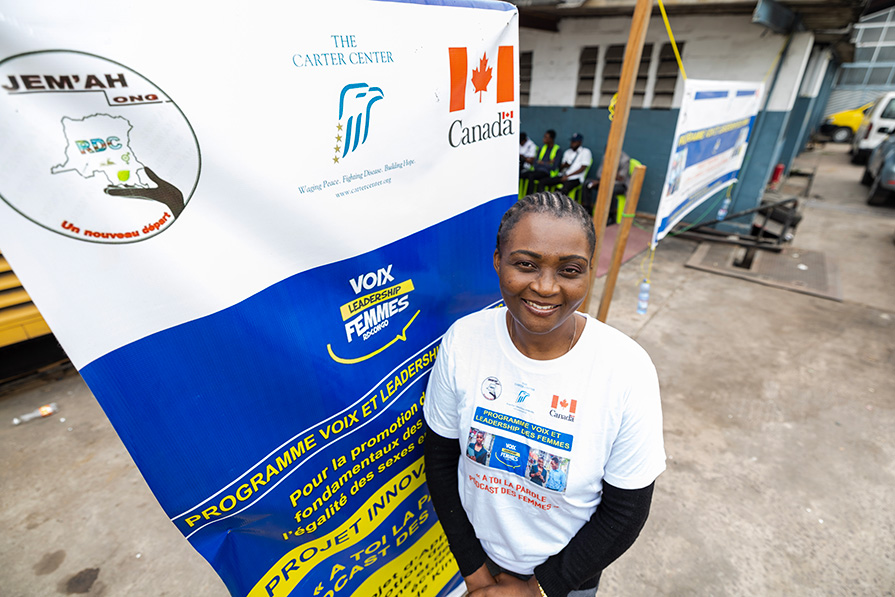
481 92
355 103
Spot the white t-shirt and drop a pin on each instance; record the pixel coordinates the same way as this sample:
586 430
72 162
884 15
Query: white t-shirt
528 150
577 158
595 409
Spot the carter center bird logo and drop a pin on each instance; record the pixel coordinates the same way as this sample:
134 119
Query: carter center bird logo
355 105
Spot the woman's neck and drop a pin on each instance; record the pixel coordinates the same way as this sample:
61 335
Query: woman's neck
545 347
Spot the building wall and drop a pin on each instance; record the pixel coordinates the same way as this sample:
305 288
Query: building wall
715 47
803 118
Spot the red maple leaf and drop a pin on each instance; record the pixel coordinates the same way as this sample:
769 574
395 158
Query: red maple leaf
481 76
564 403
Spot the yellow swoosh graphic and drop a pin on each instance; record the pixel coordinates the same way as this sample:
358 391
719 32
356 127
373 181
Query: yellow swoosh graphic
401 336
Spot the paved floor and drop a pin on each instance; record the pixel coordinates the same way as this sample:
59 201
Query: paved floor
779 418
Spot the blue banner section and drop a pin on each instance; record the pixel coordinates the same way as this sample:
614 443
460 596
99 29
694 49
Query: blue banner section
707 143
296 380
720 183
702 95
517 426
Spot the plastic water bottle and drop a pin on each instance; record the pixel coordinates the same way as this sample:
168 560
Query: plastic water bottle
643 298
722 213
44 411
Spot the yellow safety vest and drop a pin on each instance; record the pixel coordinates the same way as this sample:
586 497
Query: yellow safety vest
553 151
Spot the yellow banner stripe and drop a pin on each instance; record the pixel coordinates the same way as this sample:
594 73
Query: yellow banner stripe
423 569
374 298
285 575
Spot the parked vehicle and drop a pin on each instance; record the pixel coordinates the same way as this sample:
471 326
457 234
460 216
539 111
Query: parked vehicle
841 126
878 122
880 173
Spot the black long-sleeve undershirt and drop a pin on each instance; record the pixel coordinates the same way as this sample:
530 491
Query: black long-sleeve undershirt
611 530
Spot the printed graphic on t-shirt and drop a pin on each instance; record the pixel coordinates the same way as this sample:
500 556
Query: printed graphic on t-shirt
509 455
562 408
522 398
551 437
477 446
491 388
548 470
540 467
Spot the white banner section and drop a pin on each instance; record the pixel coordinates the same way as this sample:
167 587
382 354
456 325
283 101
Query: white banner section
713 130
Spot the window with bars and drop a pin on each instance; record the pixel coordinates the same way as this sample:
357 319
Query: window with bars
666 76
612 73
525 59
587 72
663 84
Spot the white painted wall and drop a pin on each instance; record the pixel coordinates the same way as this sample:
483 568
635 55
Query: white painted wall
716 47
815 71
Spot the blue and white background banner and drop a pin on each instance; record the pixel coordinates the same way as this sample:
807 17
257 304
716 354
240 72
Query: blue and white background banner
710 140
249 228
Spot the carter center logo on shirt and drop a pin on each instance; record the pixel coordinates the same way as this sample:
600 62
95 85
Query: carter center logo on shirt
563 409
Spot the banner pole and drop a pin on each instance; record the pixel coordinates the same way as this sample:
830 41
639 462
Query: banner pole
621 242
631 64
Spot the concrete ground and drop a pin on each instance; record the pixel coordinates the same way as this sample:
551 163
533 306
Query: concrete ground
779 417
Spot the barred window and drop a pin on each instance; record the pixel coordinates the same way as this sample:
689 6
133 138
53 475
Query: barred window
587 72
666 76
525 59
612 74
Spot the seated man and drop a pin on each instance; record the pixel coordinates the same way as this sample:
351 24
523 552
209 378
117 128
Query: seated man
527 153
622 179
575 162
548 161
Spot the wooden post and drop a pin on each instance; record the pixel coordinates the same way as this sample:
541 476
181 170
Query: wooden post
631 64
621 241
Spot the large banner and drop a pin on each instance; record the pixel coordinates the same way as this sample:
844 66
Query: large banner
710 140
249 226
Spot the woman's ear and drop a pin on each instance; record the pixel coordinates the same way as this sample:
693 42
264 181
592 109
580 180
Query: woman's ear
497 260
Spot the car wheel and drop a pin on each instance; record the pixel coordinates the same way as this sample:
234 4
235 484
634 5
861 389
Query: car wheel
877 194
841 135
867 179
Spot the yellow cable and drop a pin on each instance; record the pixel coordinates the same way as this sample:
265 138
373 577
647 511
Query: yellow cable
677 54
649 271
774 63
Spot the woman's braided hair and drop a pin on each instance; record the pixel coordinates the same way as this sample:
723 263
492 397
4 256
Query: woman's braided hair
557 205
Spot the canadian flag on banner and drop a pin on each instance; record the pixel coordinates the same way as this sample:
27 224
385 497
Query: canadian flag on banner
480 76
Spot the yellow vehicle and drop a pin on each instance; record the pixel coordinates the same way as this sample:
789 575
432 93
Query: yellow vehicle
841 126
26 343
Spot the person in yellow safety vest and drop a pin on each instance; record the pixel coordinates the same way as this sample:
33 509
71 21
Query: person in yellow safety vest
548 161
575 162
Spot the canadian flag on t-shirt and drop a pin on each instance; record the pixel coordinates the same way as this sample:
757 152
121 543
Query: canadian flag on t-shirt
564 404
481 76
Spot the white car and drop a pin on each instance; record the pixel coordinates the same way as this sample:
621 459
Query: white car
878 122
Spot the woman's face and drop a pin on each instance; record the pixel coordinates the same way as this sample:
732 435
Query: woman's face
543 271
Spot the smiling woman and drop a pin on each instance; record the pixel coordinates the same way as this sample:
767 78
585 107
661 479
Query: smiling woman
549 502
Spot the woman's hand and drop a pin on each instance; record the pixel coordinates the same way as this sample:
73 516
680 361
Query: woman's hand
479 579
508 586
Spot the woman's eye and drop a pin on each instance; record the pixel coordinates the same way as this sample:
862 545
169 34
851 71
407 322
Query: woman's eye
571 271
525 264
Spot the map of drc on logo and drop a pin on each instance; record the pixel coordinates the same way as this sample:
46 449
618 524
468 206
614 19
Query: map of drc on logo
110 157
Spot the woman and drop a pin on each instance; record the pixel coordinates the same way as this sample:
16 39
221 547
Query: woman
559 383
